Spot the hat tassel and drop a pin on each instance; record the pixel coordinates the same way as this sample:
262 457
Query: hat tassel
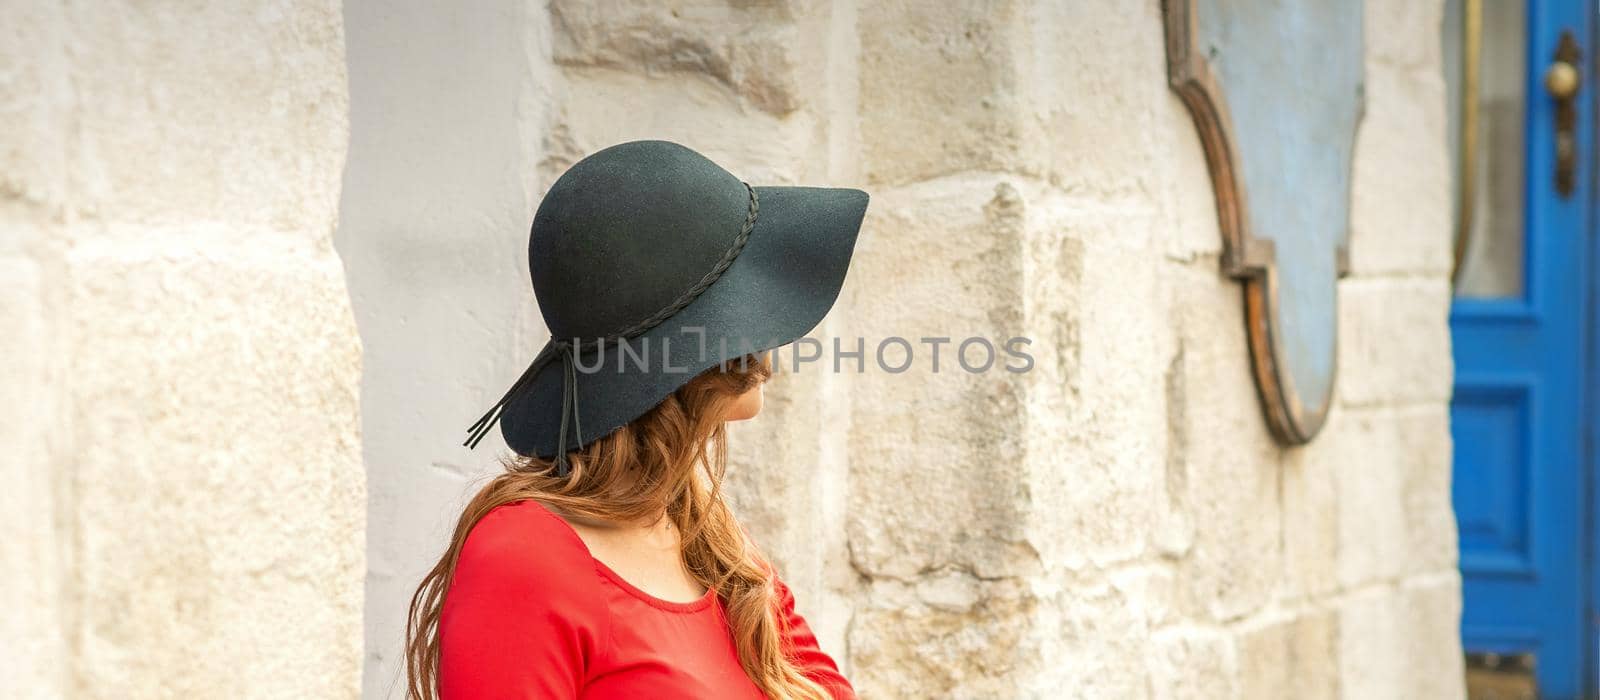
492 416
569 408
569 402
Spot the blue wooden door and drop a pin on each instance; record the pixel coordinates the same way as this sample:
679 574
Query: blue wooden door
1520 325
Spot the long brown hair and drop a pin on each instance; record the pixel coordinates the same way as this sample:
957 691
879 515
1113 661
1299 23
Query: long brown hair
633 473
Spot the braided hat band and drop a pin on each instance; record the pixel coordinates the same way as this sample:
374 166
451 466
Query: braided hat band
568 349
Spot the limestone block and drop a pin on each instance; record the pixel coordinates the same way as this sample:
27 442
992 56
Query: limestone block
1091 632
1425 458
1191 231
746 48
757 146
1312 504
1070 277
35 95
1369 500
1193 664
1372 645
219 505
1432 609
1092 93
207 112
1389 514
1394 341
953 636
937 471
1016 87
1296 657
33 652
1401 219
1404 34
1372 517
1097 436
1223 467
940 90
1403 642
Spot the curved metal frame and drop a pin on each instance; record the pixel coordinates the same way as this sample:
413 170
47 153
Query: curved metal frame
1244 257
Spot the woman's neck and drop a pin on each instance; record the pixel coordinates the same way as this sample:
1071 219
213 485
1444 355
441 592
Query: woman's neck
656 521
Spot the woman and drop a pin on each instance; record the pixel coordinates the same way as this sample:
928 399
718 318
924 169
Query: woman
604 563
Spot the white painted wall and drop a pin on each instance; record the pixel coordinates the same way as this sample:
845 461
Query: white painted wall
446 113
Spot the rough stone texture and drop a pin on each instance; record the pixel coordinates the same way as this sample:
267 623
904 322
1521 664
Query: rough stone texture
184 500
747 48
1117 522
1136 451
219 509
184 493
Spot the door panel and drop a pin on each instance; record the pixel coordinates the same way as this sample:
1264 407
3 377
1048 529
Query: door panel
1519 328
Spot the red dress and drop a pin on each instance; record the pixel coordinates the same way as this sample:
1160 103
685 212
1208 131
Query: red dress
531 614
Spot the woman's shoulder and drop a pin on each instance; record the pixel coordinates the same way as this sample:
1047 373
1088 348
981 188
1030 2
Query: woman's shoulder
524 545
524 610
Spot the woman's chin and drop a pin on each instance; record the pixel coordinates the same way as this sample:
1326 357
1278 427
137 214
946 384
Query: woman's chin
745 410
736 416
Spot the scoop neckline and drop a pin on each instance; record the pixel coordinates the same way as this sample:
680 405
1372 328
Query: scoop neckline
615 578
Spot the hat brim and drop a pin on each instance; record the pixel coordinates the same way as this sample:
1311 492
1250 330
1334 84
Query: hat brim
779 288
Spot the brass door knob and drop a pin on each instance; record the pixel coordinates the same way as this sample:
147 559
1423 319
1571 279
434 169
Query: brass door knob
1561 80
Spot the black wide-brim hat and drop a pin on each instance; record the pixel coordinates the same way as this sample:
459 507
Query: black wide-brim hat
652 264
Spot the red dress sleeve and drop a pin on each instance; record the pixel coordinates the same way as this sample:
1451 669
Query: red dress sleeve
801 645
523 617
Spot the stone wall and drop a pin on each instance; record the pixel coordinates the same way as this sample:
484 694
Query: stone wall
1115 523
1118 522
184 497
181 450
